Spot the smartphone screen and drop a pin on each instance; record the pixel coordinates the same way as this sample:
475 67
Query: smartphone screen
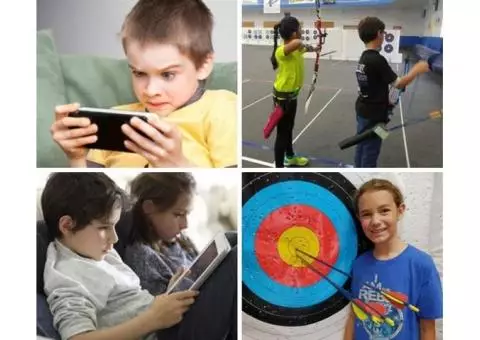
110 134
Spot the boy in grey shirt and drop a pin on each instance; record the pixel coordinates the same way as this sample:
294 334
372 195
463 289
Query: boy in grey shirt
92 294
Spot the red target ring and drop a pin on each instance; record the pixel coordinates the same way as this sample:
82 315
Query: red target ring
281 220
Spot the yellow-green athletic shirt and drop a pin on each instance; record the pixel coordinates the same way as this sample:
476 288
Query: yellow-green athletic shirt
290 72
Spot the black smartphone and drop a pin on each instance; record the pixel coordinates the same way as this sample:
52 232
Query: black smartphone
109 122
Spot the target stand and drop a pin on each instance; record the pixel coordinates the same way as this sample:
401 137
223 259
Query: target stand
287 211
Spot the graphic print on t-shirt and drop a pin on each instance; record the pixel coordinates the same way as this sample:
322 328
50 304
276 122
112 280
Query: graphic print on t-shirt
373 298
362 80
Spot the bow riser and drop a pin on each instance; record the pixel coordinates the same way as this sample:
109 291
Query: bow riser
321 41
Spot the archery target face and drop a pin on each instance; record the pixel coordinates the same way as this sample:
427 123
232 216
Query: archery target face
265 36
391 46
388 48
244 35
389 37
269 36
283 212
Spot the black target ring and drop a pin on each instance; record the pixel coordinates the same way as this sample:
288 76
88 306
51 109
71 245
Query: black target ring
389 37
259 308
388 48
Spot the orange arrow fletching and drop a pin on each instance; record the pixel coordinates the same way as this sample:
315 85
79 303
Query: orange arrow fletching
394 301
399 298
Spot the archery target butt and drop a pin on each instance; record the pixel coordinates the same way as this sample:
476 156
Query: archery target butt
283 212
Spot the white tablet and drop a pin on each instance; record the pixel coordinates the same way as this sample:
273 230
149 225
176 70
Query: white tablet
204 265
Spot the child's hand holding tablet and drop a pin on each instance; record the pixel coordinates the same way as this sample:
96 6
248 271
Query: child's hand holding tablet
203 266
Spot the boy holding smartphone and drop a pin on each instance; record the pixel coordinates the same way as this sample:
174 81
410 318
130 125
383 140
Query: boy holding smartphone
168 46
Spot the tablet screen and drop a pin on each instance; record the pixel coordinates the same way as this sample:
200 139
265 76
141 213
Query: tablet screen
197 268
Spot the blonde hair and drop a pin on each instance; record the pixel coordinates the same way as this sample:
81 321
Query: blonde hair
377 184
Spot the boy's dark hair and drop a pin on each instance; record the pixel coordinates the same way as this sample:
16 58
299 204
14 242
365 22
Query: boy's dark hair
84 197
369 27
164 190
286 27
187 24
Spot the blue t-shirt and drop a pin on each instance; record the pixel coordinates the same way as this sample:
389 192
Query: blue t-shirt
413 274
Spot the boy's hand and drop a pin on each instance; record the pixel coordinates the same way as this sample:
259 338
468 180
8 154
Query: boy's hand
72 133
167 309
422 67
162 148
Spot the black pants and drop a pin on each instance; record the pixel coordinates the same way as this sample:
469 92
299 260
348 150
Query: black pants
283 141
213 316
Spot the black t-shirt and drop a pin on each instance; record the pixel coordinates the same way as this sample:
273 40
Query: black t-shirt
373 77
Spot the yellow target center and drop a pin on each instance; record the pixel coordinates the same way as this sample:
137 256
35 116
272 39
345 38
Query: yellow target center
298 237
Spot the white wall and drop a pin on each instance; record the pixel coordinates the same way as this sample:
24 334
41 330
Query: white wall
92 26
216 198
433 20
410 19
422 226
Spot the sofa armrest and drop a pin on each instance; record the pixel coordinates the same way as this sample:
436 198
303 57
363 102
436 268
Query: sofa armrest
50 92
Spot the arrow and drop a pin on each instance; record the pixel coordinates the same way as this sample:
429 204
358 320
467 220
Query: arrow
397 299
361 307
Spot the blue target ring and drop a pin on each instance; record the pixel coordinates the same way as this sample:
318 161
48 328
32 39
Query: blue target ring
331 195
296 192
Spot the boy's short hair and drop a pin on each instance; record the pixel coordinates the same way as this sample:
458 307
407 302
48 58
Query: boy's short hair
187 24
368 28
82 196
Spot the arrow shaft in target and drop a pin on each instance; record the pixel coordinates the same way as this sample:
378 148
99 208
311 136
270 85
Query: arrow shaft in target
397 301
324 263
348 296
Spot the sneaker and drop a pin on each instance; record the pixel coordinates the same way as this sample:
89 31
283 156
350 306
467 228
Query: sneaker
295 161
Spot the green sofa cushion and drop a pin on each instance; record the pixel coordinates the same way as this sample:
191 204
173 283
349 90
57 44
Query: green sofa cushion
223 77
50 92
97 81
105 82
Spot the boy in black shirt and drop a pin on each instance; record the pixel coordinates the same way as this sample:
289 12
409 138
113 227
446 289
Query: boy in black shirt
374 76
